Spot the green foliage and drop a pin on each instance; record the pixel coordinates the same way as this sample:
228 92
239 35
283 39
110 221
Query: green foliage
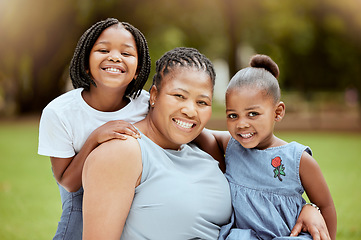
30 203
316 43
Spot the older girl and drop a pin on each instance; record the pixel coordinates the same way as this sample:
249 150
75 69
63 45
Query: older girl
109 68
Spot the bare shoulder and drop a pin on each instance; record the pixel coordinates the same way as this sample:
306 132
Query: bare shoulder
307 161
115 153
118 146
110 175
310 173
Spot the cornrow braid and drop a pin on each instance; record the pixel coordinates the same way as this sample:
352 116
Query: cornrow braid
79 65
144 62
182 57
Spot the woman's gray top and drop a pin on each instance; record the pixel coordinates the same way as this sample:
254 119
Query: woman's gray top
182 195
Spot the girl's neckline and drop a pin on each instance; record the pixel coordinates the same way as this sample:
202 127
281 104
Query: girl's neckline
266 149
83 92
96 111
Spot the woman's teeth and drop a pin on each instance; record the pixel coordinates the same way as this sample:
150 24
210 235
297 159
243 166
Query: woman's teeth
183 124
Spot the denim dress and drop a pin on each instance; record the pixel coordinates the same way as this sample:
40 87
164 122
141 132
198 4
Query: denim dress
266 191
70 225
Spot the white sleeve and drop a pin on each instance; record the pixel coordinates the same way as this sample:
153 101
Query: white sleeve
55 138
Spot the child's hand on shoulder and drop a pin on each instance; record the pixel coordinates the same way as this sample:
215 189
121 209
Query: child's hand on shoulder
117 129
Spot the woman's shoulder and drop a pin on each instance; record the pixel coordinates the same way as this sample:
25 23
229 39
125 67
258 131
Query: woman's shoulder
116 146
116 152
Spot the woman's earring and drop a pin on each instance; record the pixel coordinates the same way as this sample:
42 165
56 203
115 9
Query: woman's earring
152 104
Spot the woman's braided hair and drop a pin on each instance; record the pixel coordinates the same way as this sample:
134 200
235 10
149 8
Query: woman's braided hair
182 57
79 65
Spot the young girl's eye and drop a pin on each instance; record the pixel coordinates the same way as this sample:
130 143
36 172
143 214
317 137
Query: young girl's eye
253 114
232 116
103 51
126 54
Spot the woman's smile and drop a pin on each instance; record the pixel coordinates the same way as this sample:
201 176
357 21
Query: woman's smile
184 124
182 105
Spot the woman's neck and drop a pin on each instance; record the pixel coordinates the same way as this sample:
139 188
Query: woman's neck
149 129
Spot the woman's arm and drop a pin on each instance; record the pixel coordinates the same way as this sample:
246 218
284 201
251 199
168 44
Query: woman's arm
110 175
318 192
214 143
67 171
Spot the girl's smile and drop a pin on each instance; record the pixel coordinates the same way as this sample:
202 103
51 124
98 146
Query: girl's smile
113 59
114 69
246 135
250 117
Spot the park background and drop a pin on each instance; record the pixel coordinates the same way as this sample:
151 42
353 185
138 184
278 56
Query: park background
317 45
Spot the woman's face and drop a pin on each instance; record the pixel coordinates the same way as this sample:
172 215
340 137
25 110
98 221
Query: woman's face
182 106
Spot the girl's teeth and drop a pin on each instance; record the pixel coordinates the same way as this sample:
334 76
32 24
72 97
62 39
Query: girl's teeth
247 135
183 124
112 70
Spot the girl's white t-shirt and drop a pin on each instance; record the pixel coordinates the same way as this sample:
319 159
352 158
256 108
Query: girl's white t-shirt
67 121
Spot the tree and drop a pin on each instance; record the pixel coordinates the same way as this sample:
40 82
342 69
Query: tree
316 43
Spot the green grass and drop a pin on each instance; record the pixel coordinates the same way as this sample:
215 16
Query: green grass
338 155
30 204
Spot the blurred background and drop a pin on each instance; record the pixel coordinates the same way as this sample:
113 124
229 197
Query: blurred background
317 45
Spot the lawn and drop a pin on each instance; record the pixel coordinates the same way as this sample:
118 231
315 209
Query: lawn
338 155
30 204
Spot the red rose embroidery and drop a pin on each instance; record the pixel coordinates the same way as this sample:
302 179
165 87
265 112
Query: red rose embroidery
276 162
279 168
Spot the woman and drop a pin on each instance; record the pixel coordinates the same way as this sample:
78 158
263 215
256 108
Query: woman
160 187
169 190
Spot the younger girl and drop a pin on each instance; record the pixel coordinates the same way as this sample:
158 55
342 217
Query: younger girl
267 176
110 66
